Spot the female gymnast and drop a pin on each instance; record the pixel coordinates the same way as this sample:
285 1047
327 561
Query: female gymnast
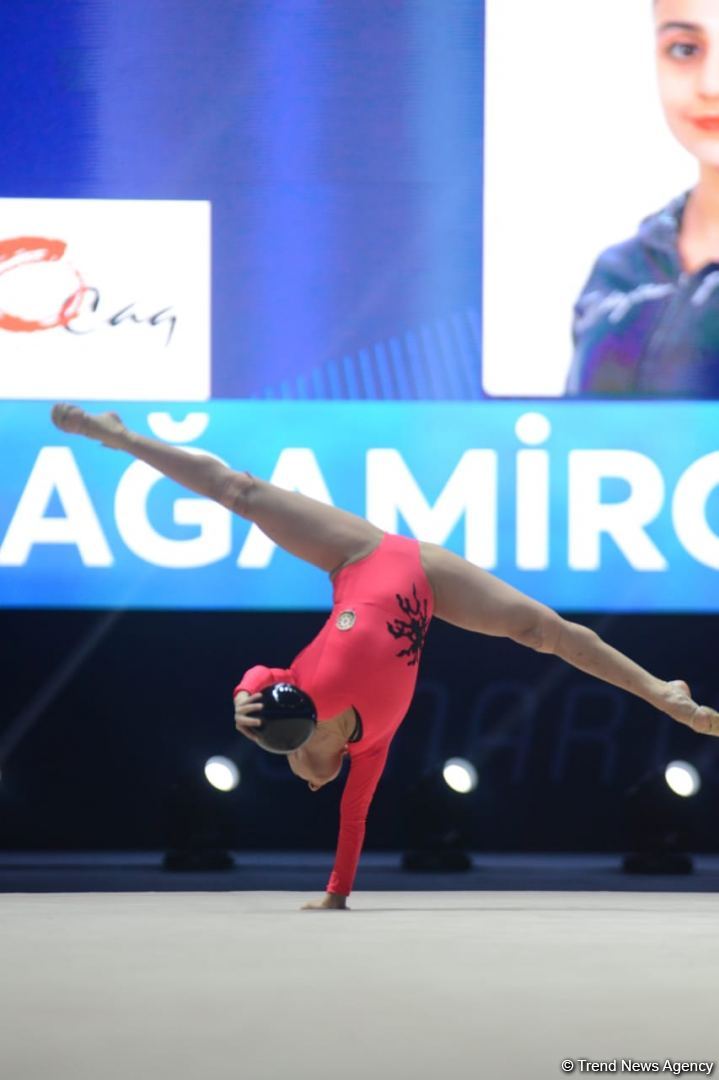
647 321
361 669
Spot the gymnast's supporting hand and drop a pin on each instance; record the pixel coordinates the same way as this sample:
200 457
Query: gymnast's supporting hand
329 902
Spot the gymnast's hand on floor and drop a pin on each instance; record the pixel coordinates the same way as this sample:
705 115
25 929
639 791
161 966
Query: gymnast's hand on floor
247 706
107 427
329 902
679 705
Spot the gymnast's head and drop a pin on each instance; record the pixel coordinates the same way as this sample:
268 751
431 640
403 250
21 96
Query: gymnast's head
288 726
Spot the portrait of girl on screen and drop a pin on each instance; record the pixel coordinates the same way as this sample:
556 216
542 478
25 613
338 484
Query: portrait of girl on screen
647 321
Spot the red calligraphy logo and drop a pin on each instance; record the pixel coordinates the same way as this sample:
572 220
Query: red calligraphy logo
22 251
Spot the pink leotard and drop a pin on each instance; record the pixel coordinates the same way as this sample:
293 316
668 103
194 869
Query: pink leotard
366 656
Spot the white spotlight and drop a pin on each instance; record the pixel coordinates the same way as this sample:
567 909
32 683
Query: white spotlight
222 773
460 775
682 778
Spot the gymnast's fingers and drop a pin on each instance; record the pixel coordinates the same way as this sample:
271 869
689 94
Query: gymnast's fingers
247 731
243 711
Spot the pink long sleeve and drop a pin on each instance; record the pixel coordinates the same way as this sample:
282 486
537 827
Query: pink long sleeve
365 771
257 678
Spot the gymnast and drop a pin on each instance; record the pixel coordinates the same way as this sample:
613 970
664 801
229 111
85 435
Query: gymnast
361 669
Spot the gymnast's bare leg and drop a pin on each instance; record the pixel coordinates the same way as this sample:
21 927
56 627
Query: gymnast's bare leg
329 538
321 535
472 599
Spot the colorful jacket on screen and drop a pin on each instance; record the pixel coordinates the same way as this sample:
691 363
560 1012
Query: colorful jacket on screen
366 657
643 326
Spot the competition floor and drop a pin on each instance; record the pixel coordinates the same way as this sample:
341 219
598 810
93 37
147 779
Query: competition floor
417 985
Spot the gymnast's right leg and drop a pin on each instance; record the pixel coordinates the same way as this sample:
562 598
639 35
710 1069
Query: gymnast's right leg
319 534
472 599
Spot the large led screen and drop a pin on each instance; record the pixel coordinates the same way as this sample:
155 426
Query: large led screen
387 254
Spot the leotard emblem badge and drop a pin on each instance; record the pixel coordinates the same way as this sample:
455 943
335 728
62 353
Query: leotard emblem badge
345 620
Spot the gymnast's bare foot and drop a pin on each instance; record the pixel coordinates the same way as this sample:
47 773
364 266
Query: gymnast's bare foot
107 427
679 705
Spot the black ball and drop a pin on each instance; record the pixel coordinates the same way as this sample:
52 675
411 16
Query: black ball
288 718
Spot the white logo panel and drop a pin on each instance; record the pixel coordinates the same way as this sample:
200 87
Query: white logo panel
105 298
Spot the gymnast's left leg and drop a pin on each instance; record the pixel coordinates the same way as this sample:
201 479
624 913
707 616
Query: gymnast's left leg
469 597
321 535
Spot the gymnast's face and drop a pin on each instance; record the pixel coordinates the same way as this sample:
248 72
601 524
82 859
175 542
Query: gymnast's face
316 768
687 39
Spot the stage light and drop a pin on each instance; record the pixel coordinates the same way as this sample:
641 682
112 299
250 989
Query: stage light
440 810
460 775
661 819
201 811
682 778
222 773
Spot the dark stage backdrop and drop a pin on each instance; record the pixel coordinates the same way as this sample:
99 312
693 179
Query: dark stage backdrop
119 707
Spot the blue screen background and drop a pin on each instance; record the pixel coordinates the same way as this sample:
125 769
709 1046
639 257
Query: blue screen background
340 146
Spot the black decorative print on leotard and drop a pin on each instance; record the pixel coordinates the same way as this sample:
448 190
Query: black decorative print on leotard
414 627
